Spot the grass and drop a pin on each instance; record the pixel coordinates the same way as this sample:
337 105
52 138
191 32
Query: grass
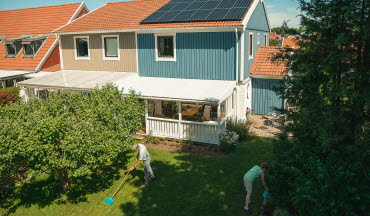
186 184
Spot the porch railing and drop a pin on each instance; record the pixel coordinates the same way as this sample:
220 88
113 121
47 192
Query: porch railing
194 131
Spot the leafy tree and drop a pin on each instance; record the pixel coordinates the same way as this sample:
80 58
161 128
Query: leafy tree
274 43
9 95
70 134
323 168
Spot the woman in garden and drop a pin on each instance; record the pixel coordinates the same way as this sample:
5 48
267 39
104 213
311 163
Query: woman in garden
248 179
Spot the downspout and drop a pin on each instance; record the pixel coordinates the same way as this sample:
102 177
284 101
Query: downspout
237 56
236 73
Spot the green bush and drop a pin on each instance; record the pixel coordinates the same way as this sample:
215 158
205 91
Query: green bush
8 95
151 139
228 141
281 212
238 126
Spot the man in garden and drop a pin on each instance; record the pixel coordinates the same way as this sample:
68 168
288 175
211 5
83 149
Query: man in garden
143 155
248 179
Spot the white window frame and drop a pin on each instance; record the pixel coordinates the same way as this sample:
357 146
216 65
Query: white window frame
157 58
110 58
249 44
88 48
265 40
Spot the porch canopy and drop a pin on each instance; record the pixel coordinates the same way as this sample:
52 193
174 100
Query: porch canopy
75 79
7 74
185 90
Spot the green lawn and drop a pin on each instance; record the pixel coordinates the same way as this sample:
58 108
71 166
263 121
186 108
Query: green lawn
186 185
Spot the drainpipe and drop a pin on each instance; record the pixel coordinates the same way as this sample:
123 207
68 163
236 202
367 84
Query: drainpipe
237 55
235 93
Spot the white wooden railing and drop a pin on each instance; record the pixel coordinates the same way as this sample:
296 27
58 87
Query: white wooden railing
187 130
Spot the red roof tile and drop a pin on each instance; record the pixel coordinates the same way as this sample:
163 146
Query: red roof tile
263 64
41 20
290 42
128 15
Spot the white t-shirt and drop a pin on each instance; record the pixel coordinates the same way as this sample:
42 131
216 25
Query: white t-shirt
143 153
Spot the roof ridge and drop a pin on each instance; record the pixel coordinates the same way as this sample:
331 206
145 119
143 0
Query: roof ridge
40 7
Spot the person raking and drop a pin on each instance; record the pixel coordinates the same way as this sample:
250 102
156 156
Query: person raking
143 156
248 179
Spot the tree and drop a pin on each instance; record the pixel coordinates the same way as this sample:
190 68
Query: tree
322 169
70 134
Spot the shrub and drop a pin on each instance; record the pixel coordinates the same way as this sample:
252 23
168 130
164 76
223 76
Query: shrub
228 141
238 126
151 139
281 212
8 95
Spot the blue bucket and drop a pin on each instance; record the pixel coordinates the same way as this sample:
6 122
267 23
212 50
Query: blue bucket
109 201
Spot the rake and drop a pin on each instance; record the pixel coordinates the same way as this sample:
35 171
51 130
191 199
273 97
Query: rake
109 200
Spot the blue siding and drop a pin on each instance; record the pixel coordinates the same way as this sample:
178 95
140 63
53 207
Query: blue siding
249 62
256 24
258 20
264 98
206 55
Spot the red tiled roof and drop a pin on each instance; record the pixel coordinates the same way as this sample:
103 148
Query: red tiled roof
128 15
41 20
290 42
263 64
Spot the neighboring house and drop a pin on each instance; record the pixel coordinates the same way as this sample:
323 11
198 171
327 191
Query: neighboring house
190 60
26 43
290 41
266 74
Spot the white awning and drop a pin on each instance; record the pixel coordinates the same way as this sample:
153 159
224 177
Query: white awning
4 74
77 80
214 91
38 74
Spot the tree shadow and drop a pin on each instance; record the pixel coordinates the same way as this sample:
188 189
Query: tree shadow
45 190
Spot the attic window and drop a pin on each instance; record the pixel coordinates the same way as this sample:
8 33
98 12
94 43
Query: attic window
2 37
31 46
13 46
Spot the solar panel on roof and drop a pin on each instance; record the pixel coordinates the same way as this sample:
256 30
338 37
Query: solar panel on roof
199 10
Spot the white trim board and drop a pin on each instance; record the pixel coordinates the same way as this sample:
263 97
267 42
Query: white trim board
79 9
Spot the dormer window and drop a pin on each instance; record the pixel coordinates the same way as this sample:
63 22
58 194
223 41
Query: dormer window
13 46
32 45
2 37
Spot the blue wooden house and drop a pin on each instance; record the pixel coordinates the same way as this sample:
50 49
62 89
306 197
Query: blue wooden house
191 60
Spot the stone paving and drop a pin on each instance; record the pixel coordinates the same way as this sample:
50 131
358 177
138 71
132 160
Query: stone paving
265 126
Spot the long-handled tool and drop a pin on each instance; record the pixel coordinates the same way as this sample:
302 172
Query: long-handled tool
109 200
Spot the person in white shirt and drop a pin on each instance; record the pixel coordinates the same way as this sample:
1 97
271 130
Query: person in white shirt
143 155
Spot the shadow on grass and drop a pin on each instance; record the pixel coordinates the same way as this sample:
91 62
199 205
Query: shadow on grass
196 185
45 190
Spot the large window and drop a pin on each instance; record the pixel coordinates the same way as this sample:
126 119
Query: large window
166 47
250 45
163 109
31 48
82 48
110 47
198 112
12 49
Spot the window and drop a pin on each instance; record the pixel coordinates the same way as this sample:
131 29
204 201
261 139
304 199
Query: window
258 38
198 112
82 48
2 37
31 48
13 48
250 45
265 39
110 47
163 109
166 47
